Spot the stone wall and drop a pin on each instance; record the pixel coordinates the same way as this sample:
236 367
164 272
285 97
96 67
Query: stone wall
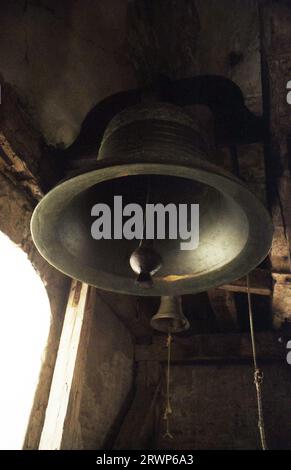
108 379
214 407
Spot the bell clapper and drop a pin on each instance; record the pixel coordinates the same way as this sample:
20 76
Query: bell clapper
145 260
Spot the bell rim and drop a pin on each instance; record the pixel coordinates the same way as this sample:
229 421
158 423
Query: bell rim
176 331
198 170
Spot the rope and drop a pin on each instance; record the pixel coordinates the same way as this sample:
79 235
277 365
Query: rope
168 409
258 374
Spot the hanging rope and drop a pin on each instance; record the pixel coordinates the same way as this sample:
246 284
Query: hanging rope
258 374
168 409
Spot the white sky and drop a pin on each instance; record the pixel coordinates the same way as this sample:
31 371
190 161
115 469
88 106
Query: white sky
24 327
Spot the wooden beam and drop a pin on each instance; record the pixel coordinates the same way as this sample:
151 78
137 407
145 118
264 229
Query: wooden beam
140 419
61 426
281 298
24 157
247 161
154 58
260 283
276 64
17 128
251 162
213 348
17 171
133 311
223 305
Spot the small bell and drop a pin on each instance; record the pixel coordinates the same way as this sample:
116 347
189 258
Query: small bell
170 317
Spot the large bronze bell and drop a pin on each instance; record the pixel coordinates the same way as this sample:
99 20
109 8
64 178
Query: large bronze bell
170 317
163 147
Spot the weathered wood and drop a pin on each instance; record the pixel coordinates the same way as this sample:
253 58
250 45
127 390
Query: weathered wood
209 348
223 305
60 428
281 213
251 162
276 37
140 419
20 144
71 438
276 62
18 129
281 298
134 312
17 171
23 154
247 162
153 48
260 283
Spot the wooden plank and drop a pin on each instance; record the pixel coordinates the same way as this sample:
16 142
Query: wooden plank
70 359
223 305
251 162
133 311
71 438
276 65
18 130
140 419
281 214
260 283
24 156
216 347
281 298
17 171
